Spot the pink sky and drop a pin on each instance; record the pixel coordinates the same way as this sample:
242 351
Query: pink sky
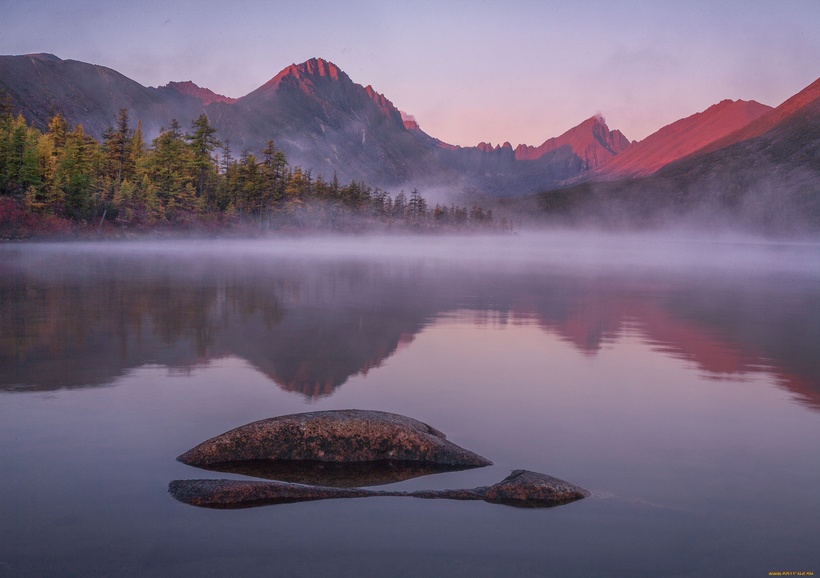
518 71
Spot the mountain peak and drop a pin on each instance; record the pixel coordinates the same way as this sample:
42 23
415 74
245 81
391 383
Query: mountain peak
595 120
591 141
315 67
305 76
321 80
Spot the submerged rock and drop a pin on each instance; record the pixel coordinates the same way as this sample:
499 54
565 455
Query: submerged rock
348 437
521 488
232 494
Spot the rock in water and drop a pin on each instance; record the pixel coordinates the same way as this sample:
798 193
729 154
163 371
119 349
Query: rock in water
523 489
236 494
343 436
526 489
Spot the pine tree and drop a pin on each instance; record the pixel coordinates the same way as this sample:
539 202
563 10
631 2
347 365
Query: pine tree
251 183
75 172
202 141
400 205
274 165
6 107
54 143
137 149
117 143
417 206
58 131
170 164
228 189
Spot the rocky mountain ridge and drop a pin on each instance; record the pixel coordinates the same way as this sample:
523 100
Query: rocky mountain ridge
205 95
681 138
762 178
323 120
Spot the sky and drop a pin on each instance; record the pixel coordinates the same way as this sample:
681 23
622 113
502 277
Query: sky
468 71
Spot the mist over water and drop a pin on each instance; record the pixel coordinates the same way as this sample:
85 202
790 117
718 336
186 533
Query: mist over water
578 249
676 378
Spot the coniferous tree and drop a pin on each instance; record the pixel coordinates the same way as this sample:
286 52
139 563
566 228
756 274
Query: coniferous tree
416 206
117 143
275 165
170 165
52 147
71 174
75 172
14 151
203 141
228 195
251 182
31 174
6 107
400 205
295 188
137 146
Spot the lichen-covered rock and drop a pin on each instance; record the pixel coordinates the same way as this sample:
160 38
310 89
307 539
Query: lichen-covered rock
533 490
521 489
350 436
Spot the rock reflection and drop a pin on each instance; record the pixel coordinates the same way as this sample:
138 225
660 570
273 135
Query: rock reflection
335 474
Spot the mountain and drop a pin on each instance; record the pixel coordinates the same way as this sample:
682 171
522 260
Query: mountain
40 85
322 120
591 141
771 171
803 100
765 179
681 138
317 116
504 171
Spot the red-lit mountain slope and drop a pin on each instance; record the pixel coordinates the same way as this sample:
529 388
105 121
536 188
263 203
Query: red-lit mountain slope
681 138
799 104
591 141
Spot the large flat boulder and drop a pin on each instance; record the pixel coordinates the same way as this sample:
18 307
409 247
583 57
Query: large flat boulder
301 446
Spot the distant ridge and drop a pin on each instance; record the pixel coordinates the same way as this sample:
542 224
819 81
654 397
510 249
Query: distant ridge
205 95
768 121
681 138
591 140
765 180
44 56
40 85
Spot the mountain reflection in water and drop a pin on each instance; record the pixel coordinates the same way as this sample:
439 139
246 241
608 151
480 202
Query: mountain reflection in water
85 318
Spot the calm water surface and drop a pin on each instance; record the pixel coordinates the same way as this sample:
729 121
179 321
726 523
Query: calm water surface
677 381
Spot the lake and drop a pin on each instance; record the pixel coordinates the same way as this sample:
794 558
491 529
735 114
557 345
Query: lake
676 380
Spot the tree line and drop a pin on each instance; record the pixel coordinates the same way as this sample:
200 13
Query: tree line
191 177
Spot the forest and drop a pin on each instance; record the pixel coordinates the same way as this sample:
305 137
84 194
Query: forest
64 182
